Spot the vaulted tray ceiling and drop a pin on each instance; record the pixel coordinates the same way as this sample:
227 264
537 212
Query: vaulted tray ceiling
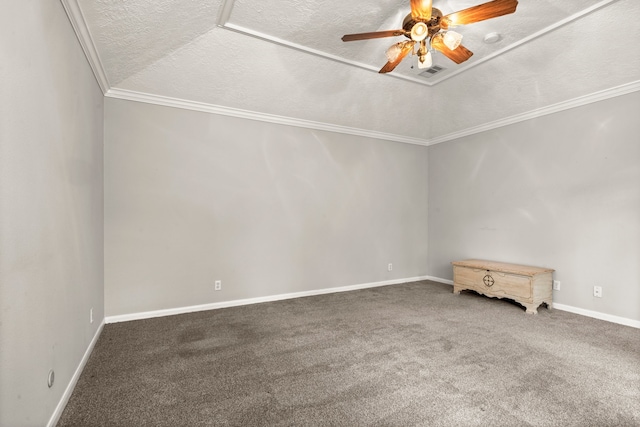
284 61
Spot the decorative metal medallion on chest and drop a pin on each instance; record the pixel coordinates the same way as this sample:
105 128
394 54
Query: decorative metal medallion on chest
488 280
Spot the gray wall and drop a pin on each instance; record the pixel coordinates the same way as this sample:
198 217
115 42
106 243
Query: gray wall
51 210
561 191
192 197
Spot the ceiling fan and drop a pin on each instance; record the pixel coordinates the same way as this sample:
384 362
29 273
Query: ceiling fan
427 23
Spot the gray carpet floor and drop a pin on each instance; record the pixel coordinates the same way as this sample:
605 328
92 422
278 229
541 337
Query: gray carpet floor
404 355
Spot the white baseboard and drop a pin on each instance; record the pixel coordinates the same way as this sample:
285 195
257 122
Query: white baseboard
55 417
437 279
589 313
598 315
270 298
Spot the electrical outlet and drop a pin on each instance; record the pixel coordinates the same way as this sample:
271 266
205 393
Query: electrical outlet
218 285
556 285
597 291
91 315
390 267
51 378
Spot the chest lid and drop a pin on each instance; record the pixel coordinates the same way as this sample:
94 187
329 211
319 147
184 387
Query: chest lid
523 270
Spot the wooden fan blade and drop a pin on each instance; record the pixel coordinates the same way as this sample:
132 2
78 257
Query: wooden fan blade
421 10
389 66
458 55
479 13
374 35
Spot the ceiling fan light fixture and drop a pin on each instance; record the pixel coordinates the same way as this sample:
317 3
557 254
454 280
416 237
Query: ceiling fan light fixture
394 51
427 27
452 39
419 32
426 61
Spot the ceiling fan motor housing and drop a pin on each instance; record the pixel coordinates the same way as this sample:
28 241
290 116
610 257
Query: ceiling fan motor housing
433 24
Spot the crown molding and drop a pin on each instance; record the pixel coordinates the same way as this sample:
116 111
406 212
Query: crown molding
555 108
79 24
308 124
253 115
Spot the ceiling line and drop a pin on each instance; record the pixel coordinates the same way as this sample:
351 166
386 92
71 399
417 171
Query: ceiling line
166 101
79 24
184 104
602 95
225 12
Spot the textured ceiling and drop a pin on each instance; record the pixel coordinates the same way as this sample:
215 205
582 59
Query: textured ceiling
285 58
318 26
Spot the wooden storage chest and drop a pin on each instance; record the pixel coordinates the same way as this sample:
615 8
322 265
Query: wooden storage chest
529 286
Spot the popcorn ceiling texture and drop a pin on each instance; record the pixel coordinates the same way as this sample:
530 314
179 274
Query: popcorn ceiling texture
131 35
175 49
